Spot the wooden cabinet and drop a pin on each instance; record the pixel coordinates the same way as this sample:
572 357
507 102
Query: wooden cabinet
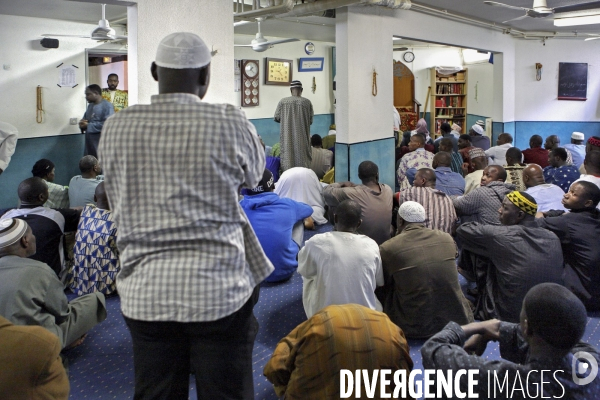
448 100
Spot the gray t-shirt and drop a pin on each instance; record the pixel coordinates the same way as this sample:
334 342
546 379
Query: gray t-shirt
81 190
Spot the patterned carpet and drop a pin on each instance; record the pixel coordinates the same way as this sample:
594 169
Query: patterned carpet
102 368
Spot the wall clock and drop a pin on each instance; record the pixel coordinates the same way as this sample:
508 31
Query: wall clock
278 71
250 87
309 48
409 56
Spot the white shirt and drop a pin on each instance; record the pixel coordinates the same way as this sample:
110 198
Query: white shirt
340 268
397 121
547 196
473 181
497 154
302 184
8 141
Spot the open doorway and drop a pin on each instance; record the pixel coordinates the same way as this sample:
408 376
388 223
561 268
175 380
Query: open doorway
100 63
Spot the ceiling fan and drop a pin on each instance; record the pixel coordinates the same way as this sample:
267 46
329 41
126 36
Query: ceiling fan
262 44
540 9
103 32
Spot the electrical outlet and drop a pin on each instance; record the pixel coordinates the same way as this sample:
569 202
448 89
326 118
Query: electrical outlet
73 121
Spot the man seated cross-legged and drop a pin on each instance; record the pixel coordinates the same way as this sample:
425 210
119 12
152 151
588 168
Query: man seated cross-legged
541 354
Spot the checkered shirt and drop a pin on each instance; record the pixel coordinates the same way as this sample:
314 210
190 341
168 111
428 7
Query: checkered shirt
172 173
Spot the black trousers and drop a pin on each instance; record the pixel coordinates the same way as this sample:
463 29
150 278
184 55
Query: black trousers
220 353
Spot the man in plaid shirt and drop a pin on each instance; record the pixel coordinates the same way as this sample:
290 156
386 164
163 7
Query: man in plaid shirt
191 264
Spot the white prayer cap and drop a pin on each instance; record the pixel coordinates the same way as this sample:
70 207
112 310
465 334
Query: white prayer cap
411 211
182 50
577 136
478 129
11 231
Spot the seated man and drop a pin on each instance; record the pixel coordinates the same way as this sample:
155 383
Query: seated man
96 255
497 154
375 200
547 196
35 296
456 159
446 131
536 154
464 146
438 206
508 260
449 182
321 158
514 168
417 158
577 148
49 225
552 142
342 266
306 363
593 144
559 172
32 367
551 326
482 204
82 187
273 219
58 195
592 168
477 162
421 293
477 137
578 232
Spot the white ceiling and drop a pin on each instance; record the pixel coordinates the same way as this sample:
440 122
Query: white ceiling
304 28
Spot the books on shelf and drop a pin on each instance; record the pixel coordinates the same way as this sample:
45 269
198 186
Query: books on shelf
450 88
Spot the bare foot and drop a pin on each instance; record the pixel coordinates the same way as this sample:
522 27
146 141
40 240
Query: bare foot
309 223
76 342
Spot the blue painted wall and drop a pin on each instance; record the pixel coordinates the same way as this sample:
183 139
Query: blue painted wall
64 151
268 129
349 156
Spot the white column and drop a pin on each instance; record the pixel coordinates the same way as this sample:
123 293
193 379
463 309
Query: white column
155 19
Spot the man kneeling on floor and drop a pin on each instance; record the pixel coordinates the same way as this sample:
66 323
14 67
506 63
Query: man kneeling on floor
32 294
541 355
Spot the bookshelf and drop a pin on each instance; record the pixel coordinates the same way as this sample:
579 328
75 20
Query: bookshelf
448 99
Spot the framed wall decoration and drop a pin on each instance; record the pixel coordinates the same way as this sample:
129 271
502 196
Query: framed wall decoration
250 86
278 71
308 64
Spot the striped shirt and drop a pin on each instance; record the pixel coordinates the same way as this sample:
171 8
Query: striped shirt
321 161
306 363
457 162
173 169
58 196
438 207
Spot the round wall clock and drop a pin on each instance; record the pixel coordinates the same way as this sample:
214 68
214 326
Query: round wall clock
250 79
309 48
409 56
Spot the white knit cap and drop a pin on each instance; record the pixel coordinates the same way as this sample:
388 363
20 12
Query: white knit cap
577 136
478 129
11 231
182 50
411 211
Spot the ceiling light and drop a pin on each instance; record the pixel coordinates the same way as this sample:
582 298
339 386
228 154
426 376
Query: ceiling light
584 20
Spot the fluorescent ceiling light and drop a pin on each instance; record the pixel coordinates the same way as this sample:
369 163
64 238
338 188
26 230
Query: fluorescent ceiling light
584 20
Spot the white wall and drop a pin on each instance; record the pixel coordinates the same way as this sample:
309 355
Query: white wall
31 65
152 20
537 101
269 95
480 89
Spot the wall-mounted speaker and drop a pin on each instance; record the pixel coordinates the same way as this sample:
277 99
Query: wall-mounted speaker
48 43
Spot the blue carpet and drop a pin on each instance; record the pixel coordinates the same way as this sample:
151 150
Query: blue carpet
102 367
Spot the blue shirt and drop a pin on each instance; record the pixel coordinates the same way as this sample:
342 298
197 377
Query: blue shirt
577 152
562 177
96 114
273 219
449 182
